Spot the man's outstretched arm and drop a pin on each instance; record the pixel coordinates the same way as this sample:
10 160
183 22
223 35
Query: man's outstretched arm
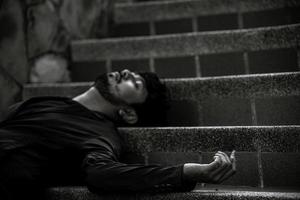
105 174
217 171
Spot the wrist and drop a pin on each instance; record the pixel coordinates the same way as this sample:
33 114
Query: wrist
191 172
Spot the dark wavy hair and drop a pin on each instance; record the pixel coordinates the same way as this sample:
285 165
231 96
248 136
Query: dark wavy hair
153 111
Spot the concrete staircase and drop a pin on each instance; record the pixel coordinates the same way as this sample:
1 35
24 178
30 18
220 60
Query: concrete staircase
252 106
80 193
217 101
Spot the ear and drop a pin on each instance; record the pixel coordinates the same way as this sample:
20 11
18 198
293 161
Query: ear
128 115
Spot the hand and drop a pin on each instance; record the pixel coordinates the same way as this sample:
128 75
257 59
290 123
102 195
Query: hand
217 171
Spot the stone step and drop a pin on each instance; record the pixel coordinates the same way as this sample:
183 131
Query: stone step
177 9
143 140
187 44
81 193
265 99
266 156
255 85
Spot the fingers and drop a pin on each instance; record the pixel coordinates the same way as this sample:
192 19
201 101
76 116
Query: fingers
224 156
226 162
223 167
232 155
233 169
227 175
215 164
218 164
233 160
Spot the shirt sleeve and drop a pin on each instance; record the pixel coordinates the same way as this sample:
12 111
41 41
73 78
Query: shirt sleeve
104 173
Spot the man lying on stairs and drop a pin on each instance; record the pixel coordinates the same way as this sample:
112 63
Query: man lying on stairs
48 141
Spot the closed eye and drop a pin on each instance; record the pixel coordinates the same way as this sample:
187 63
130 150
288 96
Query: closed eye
138 83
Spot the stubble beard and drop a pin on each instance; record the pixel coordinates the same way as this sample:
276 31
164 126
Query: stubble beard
103 88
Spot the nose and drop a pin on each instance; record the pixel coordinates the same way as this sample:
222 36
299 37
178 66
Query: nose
126 73
111 75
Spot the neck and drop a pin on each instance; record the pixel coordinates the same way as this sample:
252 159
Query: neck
93 100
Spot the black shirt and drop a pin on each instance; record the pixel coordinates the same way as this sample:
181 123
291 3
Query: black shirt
71 144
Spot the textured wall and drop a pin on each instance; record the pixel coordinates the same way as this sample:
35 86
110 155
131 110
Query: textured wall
52 24
13 61
10 91
35 37
12 40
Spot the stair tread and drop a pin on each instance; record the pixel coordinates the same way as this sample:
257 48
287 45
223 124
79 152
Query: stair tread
258 85
186 44
197 139
177 9
81 192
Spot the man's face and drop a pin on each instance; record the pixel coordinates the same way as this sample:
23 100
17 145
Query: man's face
124 87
